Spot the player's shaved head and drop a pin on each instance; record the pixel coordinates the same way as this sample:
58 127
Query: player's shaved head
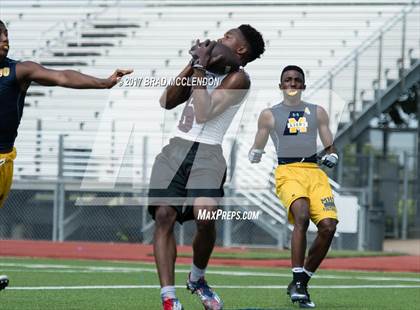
293 68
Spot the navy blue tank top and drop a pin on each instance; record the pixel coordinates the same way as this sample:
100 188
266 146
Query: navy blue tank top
11 104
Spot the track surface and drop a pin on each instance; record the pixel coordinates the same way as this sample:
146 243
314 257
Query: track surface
143 253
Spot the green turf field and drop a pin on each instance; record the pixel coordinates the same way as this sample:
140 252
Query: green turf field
264 254
65 284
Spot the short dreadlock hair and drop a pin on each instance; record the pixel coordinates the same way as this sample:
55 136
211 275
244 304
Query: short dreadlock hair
255 41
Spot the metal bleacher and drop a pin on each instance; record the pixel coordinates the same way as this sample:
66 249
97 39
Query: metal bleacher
154 39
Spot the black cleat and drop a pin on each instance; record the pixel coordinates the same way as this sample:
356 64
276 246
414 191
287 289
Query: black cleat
4 281
297 292
308 303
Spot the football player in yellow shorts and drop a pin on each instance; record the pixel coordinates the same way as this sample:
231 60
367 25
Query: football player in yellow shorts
6 174
15 79
301 185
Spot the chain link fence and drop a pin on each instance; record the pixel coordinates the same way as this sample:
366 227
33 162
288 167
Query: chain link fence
391 185
28 214
119 215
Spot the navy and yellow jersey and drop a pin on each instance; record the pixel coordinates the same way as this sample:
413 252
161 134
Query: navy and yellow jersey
11 104
295 130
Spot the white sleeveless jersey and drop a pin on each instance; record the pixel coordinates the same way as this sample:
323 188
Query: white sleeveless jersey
212 131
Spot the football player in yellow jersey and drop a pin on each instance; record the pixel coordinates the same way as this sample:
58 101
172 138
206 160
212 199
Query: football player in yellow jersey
15 79
301 185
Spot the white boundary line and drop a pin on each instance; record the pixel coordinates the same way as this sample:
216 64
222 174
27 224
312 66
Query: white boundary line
94 287
104 269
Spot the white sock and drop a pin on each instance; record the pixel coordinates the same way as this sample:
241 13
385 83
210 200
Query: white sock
309 273
196 273
168 292
297 269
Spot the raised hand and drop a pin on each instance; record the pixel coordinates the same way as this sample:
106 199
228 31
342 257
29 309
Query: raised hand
117 75
201 52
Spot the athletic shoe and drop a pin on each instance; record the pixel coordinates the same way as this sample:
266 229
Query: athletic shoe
4 281
172 304
297 292
308 303
209 299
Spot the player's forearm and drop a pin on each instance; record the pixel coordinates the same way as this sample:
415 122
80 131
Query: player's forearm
261 139
175 95
330 149
327 140
201 99
258 145
74 79
257 149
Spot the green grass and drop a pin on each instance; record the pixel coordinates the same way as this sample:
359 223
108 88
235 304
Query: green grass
263 254
48 272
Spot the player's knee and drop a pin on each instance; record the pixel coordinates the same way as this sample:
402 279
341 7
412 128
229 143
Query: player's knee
206 224
302 221
327 228
300 212
165 217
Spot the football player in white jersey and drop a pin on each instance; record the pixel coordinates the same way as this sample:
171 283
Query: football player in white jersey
188 175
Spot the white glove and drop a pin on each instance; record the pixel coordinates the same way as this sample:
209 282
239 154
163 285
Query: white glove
255 155
330 160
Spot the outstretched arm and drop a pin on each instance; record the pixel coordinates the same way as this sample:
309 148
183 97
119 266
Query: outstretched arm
265 125
29 71
331 157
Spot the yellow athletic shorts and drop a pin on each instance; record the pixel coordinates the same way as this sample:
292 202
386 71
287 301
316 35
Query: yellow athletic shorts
6 174
305 180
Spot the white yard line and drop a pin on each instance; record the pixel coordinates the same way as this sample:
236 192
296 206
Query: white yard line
104 269
95 287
